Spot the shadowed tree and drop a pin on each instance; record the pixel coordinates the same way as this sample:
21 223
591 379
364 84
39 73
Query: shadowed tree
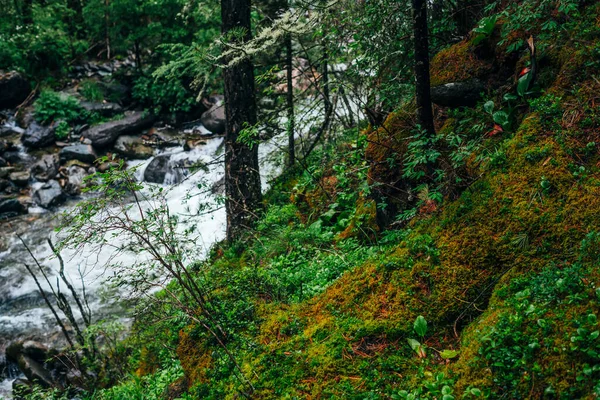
422 78
242 178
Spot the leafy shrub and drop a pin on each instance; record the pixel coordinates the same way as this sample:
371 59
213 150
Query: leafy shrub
51 106
150 387
62 130
91 91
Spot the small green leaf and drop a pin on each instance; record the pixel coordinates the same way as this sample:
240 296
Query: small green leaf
489 107
501 118
448 354
592 319
420 326
414 344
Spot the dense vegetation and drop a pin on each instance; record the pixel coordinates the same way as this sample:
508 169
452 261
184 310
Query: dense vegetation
388 262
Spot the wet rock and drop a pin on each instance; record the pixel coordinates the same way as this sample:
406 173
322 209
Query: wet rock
104 109
25 116
192 144
5 183
35 371
20 178
218 187
14 157
6 171
458 94
3 162
48 195
7 130
157 169
11 206
81 152
14 89
214 118
46 168
36 350
75 178
116 92
104 135
37 136
133 147
107 166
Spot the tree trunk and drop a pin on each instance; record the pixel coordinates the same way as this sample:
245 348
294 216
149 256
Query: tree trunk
422 79
242 178
290 102
27 12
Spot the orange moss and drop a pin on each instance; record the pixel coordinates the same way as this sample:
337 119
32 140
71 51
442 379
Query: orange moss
363 223
194 356
148 363
458 63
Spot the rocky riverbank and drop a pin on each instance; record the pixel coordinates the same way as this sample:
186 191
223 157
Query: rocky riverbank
40 168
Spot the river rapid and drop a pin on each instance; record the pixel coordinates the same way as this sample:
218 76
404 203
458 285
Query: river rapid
23 313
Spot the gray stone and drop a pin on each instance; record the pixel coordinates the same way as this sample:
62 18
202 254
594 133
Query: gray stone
14 89
7 130
11 206
48 195
81 152
35 371
458 94
104 135
104 109
75 177
36 350
157 169
214 118
37 136
46 168
20 178
6 171
133 147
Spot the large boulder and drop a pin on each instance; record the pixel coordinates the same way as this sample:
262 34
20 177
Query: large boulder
157 170
104 109
458 94
80 152
36 350
104 135
35 371
46 168
14 89
37 136
133 147
48 195
214 118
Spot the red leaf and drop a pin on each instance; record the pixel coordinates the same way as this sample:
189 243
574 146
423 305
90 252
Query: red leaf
497 129
524 71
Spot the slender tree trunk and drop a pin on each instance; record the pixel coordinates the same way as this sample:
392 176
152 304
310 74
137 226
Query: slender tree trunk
107 29
422 79
242 178
290 102
27 12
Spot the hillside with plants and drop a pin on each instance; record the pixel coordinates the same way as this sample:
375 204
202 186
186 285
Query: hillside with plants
388 260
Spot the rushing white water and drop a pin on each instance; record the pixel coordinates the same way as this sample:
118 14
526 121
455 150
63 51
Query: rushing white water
23 312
